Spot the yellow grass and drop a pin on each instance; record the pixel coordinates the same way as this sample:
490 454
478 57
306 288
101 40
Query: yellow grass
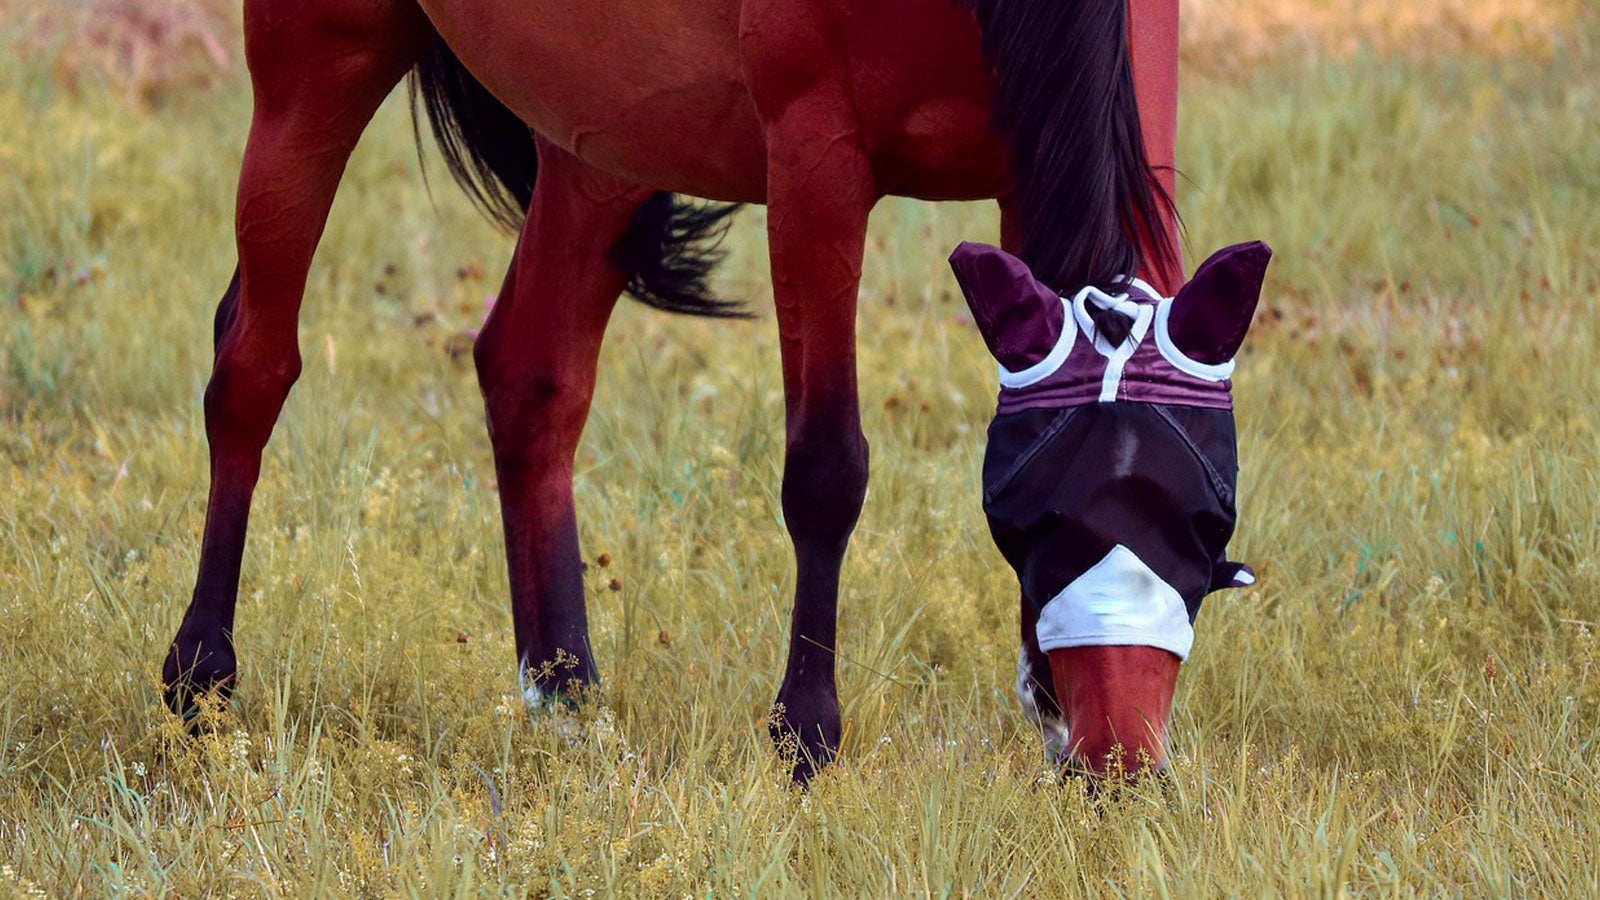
1231 33
1406 705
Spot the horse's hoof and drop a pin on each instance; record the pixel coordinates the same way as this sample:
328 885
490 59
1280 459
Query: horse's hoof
807 735
542 703
556 706
191 675
556 686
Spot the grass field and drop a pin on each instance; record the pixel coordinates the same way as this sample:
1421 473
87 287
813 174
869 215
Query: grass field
1407 704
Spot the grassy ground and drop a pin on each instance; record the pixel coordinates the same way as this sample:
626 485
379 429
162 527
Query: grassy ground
1405 705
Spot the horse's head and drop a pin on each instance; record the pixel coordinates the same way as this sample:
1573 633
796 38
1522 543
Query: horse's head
1110 470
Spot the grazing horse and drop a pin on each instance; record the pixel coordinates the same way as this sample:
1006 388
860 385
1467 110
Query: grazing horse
579 122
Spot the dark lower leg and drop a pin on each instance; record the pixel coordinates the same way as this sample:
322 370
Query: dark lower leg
549 614
201 658
250 380
1118 702
824 485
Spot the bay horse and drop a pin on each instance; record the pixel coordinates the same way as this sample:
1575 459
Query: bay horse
580 123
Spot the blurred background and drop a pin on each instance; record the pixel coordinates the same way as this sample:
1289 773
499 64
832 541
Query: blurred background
148 49
1405 705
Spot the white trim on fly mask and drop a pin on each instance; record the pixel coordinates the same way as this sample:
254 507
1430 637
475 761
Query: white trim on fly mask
1118 602
1180 360
1139 284
1055 359
1116 357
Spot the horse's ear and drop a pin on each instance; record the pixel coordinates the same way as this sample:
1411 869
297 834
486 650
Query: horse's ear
1212 312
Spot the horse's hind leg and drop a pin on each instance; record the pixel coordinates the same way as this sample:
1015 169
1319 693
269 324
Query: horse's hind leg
536 363
319 71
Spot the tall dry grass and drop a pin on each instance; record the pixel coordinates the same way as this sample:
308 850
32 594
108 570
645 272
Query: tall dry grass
1407 704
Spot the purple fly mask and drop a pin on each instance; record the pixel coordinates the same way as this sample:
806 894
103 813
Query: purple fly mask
1110 469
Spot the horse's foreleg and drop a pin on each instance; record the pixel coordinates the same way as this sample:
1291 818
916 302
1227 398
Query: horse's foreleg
318 76
820 191
536 364
819 200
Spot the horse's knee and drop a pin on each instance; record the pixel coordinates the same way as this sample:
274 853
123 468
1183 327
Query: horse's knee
250 380
824 486
534 411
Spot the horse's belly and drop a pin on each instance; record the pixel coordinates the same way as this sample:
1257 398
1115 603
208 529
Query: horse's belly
653 91
649 90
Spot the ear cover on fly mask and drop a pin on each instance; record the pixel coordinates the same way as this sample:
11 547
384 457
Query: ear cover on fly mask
1019 317
1212 313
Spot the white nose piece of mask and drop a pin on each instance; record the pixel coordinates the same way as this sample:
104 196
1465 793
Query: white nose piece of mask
1118 601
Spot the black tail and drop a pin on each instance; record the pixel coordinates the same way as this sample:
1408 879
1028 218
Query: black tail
671 245
669 251
1064 99
488 150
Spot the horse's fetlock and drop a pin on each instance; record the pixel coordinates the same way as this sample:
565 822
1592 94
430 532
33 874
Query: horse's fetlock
197 669
806 728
